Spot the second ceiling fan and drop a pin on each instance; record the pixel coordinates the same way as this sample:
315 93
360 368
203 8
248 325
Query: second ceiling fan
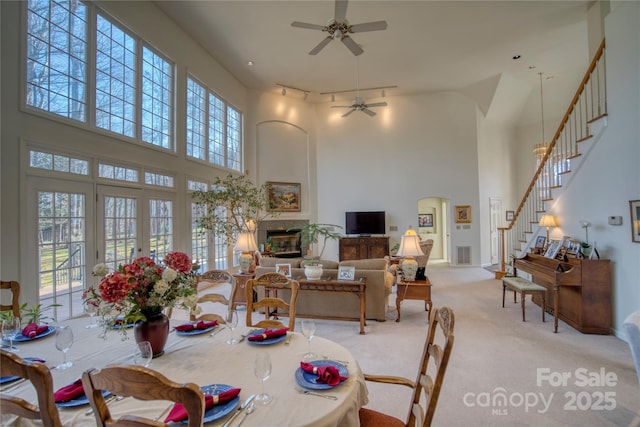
339 28
358 104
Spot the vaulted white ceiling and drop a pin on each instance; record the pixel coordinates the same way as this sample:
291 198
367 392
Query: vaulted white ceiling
428 46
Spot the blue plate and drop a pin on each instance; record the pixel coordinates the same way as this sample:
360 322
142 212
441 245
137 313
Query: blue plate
21 338
195 331
310 381
118 325
11 378
79 401
217 411
265 342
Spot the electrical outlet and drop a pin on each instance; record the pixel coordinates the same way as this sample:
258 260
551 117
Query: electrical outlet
615 220
393 228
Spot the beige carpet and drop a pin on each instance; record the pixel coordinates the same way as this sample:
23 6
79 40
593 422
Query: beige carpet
497 356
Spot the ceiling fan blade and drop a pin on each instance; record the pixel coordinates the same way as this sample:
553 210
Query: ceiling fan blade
308 26
368 26
367 111
320 45
377 104
341 106
341 10
348 112
352 45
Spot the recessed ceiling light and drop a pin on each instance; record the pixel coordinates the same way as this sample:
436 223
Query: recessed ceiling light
516 57
250 63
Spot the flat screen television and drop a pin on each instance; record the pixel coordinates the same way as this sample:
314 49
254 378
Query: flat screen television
365 223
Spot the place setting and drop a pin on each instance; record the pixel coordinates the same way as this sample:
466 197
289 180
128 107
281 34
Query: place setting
12 333
220 400
196 327
266 336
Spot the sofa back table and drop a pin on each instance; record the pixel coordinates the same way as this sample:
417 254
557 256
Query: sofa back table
357 287
418 290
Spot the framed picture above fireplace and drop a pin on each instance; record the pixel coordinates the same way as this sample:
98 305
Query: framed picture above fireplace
283 197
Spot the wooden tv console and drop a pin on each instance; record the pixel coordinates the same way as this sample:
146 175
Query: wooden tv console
352 248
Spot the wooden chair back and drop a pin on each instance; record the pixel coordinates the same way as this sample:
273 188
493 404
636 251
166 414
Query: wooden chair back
271 284
14 287
214 277
141 383
209 316
429 380
40 376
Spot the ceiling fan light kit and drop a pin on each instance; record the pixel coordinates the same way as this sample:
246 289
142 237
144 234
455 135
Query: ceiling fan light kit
339 28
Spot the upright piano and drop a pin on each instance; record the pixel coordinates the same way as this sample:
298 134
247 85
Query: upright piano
578 290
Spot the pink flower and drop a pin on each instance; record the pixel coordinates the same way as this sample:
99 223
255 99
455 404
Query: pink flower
178 261
114 288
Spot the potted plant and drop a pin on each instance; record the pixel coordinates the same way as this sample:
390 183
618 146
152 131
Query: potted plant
310 234
585 246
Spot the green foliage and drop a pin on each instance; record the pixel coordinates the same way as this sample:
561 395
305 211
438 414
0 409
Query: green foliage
231 205
311 233
32 314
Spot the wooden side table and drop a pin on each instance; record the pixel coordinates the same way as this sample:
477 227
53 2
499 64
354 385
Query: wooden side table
240 295
418 290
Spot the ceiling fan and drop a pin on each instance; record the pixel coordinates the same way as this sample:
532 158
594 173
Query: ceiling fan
339 28
358 104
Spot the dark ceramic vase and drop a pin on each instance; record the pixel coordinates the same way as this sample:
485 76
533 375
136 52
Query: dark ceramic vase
155 330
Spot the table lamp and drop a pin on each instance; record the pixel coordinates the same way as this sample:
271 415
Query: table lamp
409 247
247 245
548 221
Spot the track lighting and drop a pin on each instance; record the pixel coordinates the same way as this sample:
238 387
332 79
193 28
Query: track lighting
284 91
333 98
383 93
305 93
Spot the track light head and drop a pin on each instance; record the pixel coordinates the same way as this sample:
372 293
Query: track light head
284 91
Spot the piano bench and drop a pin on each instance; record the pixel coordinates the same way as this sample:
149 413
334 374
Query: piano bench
524 286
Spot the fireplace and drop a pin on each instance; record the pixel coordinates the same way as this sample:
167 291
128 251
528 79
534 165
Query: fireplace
284 235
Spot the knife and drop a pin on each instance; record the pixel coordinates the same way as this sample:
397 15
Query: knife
244 405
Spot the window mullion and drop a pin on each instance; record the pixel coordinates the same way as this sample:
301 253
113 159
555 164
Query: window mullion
90 65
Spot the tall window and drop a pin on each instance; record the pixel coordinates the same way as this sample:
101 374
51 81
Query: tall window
214 128
56 77
160 227
157 96
115 79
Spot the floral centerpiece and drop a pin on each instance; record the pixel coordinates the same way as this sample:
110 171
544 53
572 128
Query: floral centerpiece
142 289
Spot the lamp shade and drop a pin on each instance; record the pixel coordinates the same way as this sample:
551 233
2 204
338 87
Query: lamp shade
409 244
547 220
246 243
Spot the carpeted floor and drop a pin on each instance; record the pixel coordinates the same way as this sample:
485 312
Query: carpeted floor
503 372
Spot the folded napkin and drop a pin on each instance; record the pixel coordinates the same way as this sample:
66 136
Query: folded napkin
326 374
200 325
268 334
69 392
179 413
32 330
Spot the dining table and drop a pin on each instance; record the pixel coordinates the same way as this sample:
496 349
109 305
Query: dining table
205 358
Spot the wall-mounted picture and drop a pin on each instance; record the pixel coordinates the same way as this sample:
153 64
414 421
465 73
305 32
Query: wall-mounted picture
540 241
346 272
284 269
634 205
463 214
510 215
283 197
425 220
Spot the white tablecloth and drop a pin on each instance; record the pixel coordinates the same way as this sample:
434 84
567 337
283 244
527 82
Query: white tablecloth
205 360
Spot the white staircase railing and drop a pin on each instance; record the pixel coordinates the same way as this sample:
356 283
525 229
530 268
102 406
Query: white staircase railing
588 105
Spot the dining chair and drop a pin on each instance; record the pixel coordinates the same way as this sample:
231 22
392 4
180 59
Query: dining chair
40 376
214 277
422 409
141 383
268 285
209 316
14 287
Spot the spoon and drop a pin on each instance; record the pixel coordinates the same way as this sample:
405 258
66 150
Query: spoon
326 396
249 410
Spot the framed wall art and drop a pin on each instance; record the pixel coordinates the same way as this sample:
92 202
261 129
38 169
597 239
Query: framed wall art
283 197
463 214
634 205
510 215
425 220
540 242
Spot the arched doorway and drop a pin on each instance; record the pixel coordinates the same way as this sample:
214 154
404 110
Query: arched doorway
433 216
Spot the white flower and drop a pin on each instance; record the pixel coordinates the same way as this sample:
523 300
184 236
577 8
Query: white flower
101 270
169 274
191 300
161 287
196 310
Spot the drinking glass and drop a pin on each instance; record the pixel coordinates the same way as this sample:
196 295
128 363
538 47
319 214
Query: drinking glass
64 340
91 310
232 325
11 328
143 354
309 330
262 369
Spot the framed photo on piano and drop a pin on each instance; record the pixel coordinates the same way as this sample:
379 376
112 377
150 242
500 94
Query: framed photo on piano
552 249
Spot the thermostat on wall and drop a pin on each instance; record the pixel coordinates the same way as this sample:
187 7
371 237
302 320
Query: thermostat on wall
615 220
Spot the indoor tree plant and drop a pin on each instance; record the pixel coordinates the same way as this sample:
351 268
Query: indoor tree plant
310 234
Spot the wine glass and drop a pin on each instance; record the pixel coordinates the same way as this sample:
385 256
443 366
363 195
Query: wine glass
262 370
64 340
91 309
309 330
11 328
143 354
232 324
